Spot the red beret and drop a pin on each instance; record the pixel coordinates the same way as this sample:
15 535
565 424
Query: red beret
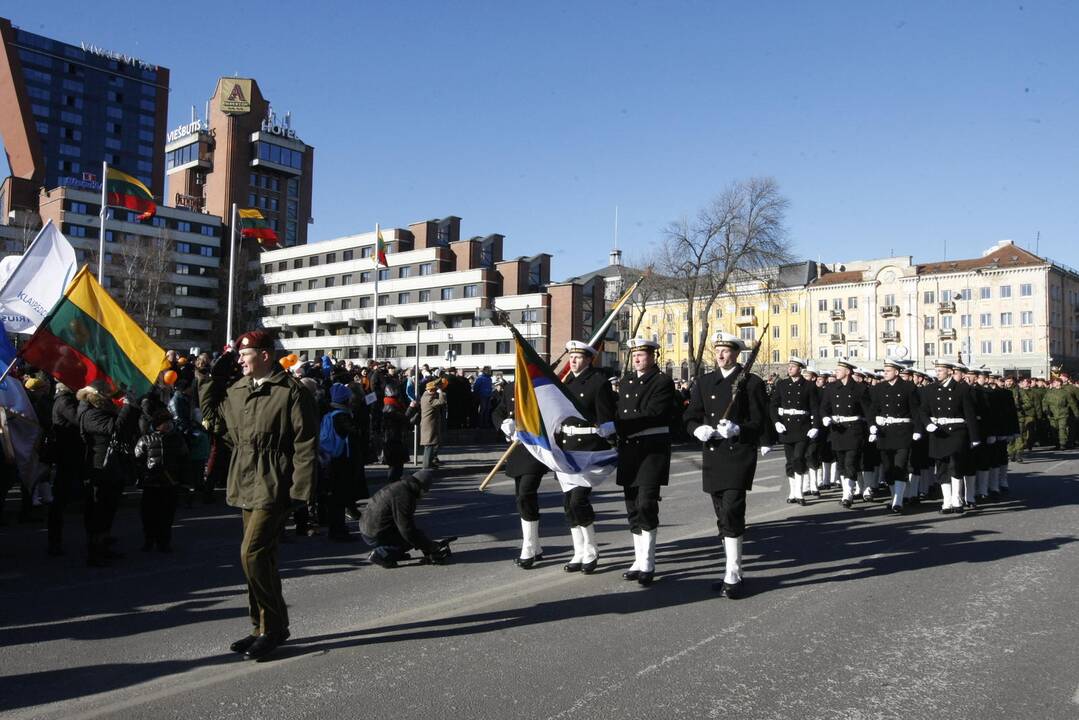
255 340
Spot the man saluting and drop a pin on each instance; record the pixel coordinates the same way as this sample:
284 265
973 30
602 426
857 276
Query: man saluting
730 426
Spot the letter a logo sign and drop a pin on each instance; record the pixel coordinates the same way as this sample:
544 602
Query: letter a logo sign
235 94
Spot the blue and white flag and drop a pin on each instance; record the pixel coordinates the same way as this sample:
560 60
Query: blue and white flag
37 282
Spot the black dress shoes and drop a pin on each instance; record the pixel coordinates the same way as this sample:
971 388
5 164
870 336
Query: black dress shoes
897 509
801 501
645 578
241 645
846 503
589 567
527 563
631 575
572 567
731 591
263 647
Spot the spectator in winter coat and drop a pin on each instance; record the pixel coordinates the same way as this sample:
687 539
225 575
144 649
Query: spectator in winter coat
389 522
69 459
395 432
161 458
345 480
431 404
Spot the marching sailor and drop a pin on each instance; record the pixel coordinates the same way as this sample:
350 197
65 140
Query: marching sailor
793 409
643 415
731 427
949 417
844 411
895 428
594 397
526 472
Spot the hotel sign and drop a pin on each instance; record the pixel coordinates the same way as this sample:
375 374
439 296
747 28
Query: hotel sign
184 130
117 56
235 94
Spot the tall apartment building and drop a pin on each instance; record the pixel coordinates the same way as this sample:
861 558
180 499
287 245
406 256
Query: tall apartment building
243 152
67 108
434 293
164 272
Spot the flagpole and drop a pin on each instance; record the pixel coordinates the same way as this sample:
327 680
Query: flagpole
232 274
374 325
104 215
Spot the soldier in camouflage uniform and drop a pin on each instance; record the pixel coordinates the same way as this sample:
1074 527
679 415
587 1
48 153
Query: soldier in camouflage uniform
1027 408
1038 388
1067 384
1061 407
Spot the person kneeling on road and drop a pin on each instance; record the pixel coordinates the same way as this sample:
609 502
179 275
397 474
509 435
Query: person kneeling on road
389 523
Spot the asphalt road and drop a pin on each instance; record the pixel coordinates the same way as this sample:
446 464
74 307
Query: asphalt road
851 614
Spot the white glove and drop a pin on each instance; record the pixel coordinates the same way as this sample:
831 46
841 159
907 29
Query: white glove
780 427
704 433
812 433
873 430
826 421
916 436
508 427
606 430
931 427
975 443
879 419
991 439
872 438
765 449
728 429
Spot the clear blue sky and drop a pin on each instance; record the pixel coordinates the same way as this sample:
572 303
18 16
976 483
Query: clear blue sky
891 127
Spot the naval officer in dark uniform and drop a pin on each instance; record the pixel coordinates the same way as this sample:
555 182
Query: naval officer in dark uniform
646 400
793 409
730 433
594 397
844 411
895 428
950 419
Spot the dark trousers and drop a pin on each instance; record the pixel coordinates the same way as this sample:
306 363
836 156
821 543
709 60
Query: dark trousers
642 507
730 507
578 507
102 500
796 457
951 467
893 464
813 461
66 487
158 509
258 557
849 462
526 489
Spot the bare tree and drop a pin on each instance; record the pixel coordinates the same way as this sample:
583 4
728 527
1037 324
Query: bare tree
141 275
741 231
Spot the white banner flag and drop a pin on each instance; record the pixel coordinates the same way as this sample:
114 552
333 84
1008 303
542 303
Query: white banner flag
38 281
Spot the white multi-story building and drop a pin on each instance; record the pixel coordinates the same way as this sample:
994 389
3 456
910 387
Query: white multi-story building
433 299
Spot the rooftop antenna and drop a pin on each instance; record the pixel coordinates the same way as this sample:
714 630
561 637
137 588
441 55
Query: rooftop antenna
615 227
1037 241
193 111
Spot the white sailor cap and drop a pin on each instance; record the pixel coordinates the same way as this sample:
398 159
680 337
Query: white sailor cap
962 367
826 373
858 370
639 343
795 360
942 363
847 364
576 346
723 339
812 370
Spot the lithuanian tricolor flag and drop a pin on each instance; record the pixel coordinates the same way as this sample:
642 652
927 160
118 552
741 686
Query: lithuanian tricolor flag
128 192
253 225
87 337
380 250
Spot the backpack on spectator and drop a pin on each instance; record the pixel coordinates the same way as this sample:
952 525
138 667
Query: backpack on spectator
331 446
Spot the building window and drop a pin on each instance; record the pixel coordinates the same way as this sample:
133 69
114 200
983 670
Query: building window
365 252
447 293
987 347
312 307
365 277
794 332
426 268
472 291
346 255
384 274
346 279
854 352
1006 347
297 263
945 295
947 348
346 303
1005 291
181 290
837 303
182 269
985 293
822 305
852 326
985 320
424 296
479 348
404 298
775 308
964 294
929 322
965 321
746 311
822 352
748 333
529 315
945 322
404 271
383 300
719 315
1027 346
1005 319
329 281
1026 317
297 286
794 307
775 356
775 332
822 328
1026 290
365 301
312 284
296 309
502 347
670 339
930 349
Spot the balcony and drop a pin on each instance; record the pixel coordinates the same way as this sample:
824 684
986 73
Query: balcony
890 336
839 315
889 311
745 320
946 307
838 338
947 334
